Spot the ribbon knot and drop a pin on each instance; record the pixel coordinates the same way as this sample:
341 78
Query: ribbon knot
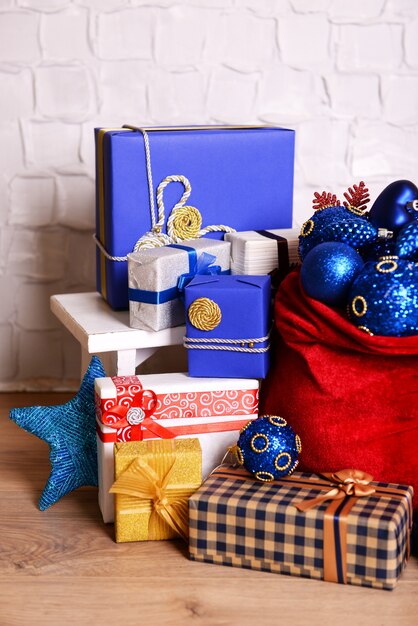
138 415
347 482
146 487
160 502
203 265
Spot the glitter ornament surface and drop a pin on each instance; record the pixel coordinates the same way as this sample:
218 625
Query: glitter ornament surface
312 232
393 209
407 242
383 299
356 232
328 272
70 431
268 448
377 249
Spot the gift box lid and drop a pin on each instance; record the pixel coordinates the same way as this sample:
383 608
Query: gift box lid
170 397
172 383
243 301
149 256
267 152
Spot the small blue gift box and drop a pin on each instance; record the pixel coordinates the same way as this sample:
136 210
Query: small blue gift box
227 326
184 181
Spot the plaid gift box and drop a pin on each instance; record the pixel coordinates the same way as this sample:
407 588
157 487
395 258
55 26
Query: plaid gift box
237 521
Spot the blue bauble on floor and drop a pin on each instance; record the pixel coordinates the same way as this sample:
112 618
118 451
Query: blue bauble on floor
268 448
328 272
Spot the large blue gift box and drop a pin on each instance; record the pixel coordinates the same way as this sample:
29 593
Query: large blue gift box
181 181
228 326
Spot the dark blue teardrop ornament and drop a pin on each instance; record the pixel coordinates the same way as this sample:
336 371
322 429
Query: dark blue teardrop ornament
393 208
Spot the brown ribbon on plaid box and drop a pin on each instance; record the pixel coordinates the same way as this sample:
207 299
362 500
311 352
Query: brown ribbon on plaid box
347 486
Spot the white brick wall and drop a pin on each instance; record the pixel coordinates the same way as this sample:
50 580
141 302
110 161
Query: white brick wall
343 74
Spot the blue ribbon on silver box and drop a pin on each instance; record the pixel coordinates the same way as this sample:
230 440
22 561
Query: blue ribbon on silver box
202 265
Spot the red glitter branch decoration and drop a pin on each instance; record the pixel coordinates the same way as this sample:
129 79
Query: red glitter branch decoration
324 200
357 196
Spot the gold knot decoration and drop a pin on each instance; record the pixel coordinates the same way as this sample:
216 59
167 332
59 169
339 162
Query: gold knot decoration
204 314
184 222
347 482
147 489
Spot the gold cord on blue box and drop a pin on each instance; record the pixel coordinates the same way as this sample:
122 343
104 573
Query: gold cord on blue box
69 430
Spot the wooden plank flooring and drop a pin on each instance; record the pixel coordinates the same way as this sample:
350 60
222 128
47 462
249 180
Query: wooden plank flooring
62 566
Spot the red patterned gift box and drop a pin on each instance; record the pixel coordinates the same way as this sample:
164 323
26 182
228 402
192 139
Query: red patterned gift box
132 408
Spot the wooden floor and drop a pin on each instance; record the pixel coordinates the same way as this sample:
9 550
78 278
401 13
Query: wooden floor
62 566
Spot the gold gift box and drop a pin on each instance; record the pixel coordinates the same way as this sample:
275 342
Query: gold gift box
153 482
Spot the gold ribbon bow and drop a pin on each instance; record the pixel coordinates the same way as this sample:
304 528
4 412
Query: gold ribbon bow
167 501
348 482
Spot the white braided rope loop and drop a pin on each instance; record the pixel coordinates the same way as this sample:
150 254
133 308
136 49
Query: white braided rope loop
149 177
105 252
235 345
173 178
152 240
203 340
226 348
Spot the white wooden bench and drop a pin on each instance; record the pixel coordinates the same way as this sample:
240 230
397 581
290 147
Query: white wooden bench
105 332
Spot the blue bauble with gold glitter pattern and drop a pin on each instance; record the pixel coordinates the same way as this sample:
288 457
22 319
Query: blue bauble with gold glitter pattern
268 448
337 219
383 299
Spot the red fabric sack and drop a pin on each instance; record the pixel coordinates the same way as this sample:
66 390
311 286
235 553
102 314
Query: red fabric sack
352 397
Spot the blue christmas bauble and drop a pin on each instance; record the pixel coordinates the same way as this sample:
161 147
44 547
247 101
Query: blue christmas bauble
328 271
406 245
394 207
355 231
313 230
383 299
381 247
268 448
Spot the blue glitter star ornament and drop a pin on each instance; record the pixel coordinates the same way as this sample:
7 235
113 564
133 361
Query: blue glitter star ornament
70 431
268 448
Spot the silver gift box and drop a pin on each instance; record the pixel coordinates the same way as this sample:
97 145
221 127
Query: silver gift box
158 269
